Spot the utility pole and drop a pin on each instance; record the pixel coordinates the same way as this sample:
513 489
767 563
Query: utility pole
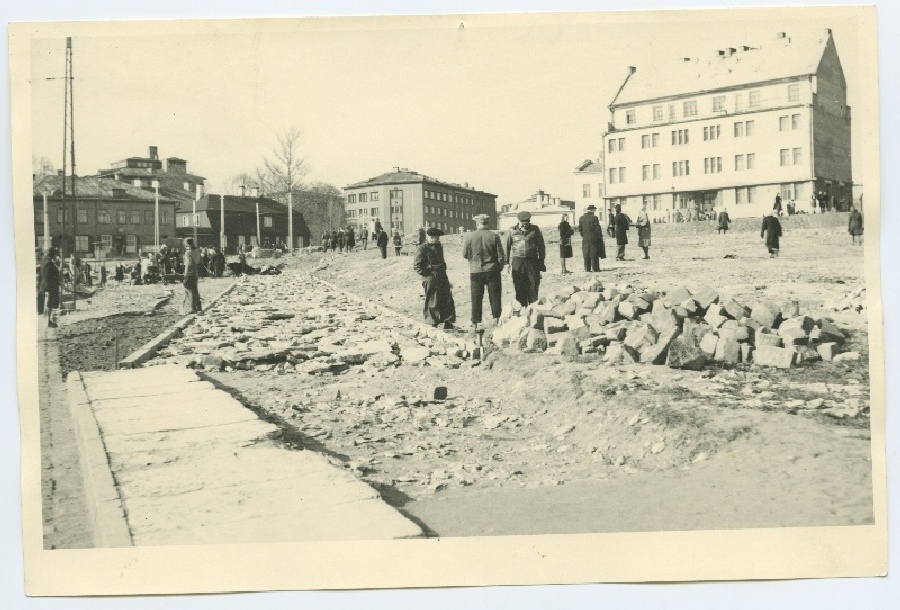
156 228
194 219
222 223
46 225
291 221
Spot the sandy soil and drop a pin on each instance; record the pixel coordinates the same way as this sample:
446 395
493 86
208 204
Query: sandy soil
536 443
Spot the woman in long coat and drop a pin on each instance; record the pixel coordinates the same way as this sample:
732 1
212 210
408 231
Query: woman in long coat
622 226
439 307
565 242
192 264
643 226
855 226
771 230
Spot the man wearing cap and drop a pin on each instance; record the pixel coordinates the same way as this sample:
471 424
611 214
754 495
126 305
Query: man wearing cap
484 251
525 251
592 249
439 307
622 223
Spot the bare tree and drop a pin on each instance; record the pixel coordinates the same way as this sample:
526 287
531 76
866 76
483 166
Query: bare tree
285 169
236 181
42 167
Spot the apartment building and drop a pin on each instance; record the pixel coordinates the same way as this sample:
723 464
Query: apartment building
405 200
733 129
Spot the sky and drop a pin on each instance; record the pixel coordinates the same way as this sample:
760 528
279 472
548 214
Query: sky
508 106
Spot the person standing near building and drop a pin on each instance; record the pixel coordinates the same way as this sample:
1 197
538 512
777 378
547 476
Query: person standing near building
643 227
192 264
771 230
326 239
855 226
381 240
49 285
592 249
623 223
102 274
776 207
364 237
525 252
376 227
351 239
398 242
565 242
723 222
484 251
439 307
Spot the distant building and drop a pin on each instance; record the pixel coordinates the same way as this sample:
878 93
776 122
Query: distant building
589 187
405 200
546 211
108 217
240 222
732 130
174 180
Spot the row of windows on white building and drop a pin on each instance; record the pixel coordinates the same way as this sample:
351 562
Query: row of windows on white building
711 165
753 100
681 137
104 217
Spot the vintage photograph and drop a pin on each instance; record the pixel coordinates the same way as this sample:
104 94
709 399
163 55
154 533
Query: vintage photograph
492 281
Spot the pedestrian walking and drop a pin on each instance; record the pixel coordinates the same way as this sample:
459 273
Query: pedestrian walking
364 237
592 248
376 227
610 222
102 274
192 262
381 240
335 242
771 230
642 222
484 251
525 252
855 226
439 308
88 276
622 223
398 242
776 207
351 239
49 286
326 239
723 221
565 242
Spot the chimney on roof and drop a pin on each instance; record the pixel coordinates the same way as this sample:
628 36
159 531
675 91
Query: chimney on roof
397 169
731 51
632 69
152 153
685 59
254 191
404 169
243 190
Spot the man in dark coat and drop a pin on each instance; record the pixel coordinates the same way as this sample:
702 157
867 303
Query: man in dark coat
439 307
565 242
622 223
351 239
381 240
771 230
855 226
525 252
422 235
592 249
776 207
724 221
484 251
49 286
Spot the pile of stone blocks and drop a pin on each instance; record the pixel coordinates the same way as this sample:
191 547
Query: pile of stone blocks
682 329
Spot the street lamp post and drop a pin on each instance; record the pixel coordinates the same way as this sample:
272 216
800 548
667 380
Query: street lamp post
291 221
155 184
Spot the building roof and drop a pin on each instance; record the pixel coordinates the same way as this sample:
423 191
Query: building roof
236 203
405 176
94 187
590 166
781 57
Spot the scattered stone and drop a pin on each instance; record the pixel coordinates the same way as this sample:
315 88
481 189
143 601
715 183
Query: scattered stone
685 353
780 357
846 357
826 351
656 448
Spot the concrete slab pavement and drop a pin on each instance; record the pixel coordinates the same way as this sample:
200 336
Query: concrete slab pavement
187 463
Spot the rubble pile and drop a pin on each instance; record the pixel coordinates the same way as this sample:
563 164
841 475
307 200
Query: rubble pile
855 300
312 329
681 329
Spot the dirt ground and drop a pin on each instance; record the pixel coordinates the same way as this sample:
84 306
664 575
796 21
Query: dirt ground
531 443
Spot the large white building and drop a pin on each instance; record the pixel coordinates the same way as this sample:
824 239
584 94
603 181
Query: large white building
589 188
731 130
546 211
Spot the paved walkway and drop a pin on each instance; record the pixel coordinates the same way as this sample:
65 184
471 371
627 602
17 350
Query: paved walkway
192 465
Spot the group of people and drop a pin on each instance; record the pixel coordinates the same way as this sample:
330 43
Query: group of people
524 253
344 239
592 246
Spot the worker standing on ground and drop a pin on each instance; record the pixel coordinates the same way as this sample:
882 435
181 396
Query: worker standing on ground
592 249
622 224
771 230
643 226
855 226
724 221
565 242
192 264
484 251
526 253
49 286
439 308
381 240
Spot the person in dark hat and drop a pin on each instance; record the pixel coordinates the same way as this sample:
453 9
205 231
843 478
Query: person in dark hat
592 249
622 224
771 230
439 308
381 240
565 242
484 251
526 253
49 286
